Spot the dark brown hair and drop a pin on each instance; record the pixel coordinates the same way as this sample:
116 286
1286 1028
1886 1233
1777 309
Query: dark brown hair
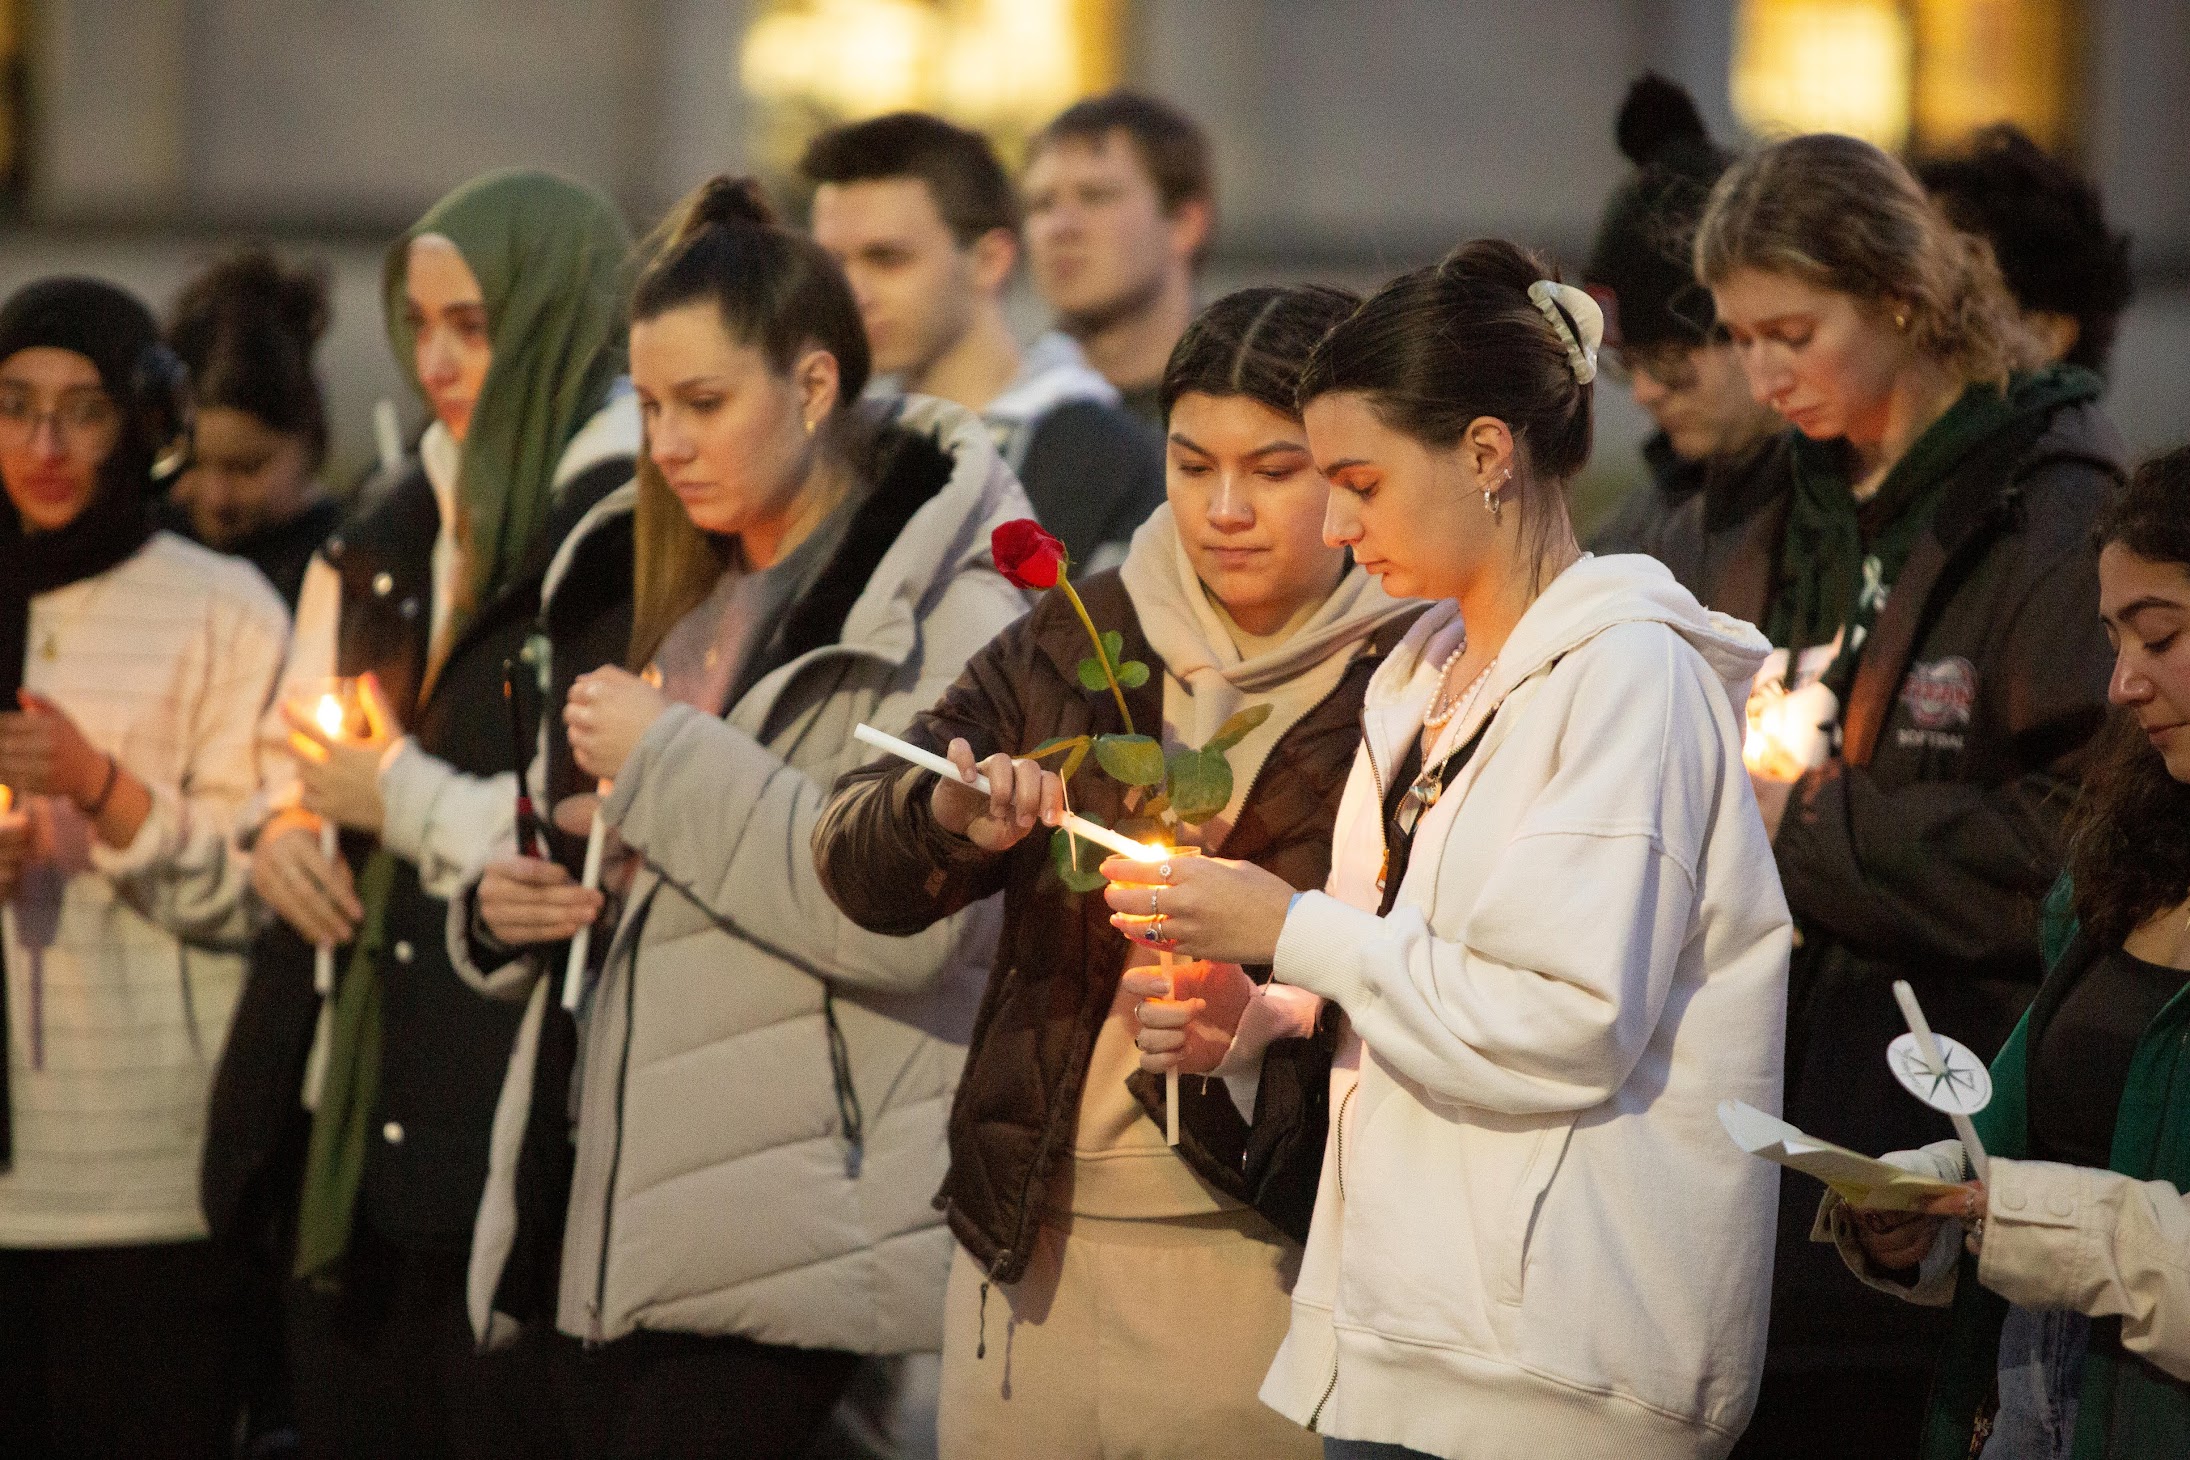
1438 347
1171 145
1842 215
2129 833
960 168
778 292
247 328
1255 343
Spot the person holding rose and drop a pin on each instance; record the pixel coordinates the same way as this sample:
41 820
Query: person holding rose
2071 1302
1551 928
1106 1249
757 1113
133 667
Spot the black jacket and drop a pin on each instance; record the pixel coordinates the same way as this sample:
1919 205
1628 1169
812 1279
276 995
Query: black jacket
1716 524
445 1049
1925 849
1093 473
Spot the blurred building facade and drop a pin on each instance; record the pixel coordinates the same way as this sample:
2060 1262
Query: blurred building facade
1354 137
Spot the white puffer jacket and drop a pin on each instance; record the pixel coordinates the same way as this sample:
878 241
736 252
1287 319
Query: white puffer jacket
717 1189
1532 1238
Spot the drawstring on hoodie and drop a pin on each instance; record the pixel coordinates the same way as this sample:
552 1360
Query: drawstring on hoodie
848 1110
981 1344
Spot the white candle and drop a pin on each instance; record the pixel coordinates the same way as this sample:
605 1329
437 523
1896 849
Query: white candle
1170 1077
1072 821
1929 1047
574 972
328 714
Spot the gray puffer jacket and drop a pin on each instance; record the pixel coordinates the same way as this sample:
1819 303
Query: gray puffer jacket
762 1085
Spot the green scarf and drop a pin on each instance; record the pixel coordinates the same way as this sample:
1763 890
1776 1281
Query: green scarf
550 257
334 1163
1840 557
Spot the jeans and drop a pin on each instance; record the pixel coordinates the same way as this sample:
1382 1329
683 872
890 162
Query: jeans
1370 1450
2041 1370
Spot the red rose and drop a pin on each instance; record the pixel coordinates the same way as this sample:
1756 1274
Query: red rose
1026 555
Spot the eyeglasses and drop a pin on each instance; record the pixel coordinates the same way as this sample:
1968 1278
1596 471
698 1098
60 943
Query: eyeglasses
81 417
1672 366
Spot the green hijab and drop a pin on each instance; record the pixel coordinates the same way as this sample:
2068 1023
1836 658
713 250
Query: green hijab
549 255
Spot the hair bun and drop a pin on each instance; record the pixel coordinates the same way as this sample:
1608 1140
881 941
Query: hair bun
253 289
1656 114
725 202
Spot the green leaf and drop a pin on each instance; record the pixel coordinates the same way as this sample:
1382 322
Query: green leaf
1135 760
1092 676
1081 878
1133 674
1076 747
1201 784
1113 644
1238 728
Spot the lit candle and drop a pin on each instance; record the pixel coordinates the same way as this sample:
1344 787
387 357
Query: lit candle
1790 731
331 713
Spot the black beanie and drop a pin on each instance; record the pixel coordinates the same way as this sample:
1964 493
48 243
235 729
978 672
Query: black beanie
118 335
1641 256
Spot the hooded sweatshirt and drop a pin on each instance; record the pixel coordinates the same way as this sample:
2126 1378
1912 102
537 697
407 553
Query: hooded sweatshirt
1587 954
1092 471
1212 670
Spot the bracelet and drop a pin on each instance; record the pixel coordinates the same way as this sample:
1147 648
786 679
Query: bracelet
106 792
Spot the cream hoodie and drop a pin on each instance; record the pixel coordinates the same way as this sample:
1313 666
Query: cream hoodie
1532 1238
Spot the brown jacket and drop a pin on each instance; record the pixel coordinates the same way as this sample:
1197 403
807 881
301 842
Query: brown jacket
892 869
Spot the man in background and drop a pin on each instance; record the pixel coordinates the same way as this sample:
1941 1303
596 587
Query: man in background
923 219
1712 461
1120 206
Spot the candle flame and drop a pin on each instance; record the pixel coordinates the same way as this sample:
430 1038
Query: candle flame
7 798
329 714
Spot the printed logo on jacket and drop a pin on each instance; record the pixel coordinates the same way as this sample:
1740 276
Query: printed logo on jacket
1939 697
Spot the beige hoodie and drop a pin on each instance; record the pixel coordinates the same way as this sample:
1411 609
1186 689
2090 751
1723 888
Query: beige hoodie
1212 669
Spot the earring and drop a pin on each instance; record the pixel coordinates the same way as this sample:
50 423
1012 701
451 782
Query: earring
809 426
1901 320
1492 503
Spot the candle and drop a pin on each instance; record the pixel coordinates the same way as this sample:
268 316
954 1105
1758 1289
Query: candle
1072 821
1929 1048
330 710
1790 731
574 971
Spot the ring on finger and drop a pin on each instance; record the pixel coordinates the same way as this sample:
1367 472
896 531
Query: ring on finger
1164 871
1153 910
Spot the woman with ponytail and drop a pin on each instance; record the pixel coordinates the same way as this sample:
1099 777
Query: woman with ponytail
760 1085
133 666
1551 930
246 328
505 303
1933 589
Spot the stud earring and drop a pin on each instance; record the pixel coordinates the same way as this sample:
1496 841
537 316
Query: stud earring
1901 320
809 426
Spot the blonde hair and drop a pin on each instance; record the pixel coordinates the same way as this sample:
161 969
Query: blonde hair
1840 214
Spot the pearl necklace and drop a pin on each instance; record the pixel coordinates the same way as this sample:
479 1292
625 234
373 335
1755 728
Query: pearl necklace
1441 714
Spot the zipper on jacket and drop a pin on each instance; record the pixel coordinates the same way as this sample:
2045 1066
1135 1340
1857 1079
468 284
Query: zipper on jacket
981 1343
616 1151
1338 1155
1376 774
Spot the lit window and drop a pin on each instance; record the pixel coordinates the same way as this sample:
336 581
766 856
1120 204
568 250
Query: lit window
1823 66
1902 72
1004 67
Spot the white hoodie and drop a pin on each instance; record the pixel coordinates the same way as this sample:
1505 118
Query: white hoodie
1532 1237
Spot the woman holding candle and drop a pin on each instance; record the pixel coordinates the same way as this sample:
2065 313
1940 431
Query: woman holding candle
505 303
760 1085
1933 571
133 666
1062 1192
1551 926
2071 1326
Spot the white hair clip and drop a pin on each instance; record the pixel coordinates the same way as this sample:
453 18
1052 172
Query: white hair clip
1581 353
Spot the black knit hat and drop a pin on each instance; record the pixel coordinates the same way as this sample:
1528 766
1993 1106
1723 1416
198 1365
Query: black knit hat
1641 257
117 334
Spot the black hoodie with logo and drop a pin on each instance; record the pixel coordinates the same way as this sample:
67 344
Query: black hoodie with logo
1924 849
